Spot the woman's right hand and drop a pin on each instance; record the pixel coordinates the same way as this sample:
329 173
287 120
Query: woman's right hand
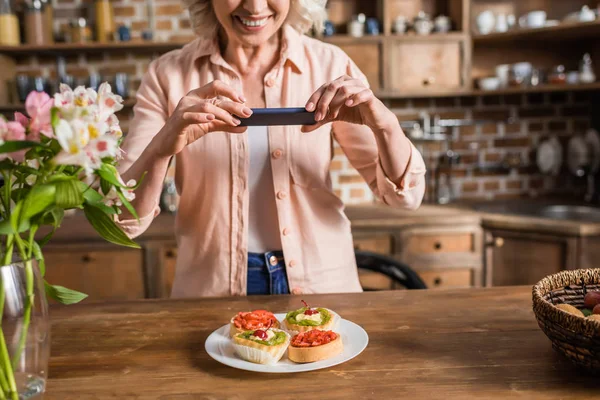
199 113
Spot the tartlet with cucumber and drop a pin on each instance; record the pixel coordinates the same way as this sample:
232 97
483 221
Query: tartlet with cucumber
261 346
308 318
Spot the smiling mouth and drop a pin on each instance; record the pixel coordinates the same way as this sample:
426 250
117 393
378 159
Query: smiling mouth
252 22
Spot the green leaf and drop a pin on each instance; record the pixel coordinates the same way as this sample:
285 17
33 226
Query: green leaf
68 194
587 312
54 117
89 193
105 186
14 217
94 198
63 295
53 217
60 177
127 204
37 254
16 145
109 173
6 164
106 227
39 199
7 229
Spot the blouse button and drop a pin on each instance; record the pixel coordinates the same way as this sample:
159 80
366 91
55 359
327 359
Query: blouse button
296 291
270 82
281 195
292 264
277 153
286 232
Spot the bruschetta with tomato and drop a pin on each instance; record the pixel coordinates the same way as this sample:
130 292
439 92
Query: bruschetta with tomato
252 320
314 345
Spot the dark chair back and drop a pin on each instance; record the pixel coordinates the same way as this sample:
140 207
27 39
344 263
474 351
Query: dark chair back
390 267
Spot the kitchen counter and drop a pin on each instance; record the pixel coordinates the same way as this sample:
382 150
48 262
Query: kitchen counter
506 216
75 228
460 344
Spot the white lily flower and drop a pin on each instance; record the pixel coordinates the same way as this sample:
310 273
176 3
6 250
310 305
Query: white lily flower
84 97
108 102
105 146
73 137
65 97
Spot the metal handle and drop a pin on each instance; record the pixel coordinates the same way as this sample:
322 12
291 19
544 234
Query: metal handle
496 242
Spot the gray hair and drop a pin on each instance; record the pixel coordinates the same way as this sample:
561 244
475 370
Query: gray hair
304 14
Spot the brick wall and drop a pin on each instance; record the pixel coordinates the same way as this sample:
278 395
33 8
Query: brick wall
536 116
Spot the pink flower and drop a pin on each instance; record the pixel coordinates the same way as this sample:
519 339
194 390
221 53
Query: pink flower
38 106
12 131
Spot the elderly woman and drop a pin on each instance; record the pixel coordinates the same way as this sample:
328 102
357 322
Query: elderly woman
257 214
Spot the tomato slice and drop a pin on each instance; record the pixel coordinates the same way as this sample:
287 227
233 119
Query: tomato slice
254 319
313 338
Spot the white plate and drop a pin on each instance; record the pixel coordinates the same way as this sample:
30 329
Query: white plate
354 338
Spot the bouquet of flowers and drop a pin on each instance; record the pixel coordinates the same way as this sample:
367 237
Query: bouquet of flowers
61 156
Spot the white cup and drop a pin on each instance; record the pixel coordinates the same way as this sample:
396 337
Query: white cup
486 22
503 72
534 19
501 23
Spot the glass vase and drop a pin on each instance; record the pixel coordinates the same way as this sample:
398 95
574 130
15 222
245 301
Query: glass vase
25 333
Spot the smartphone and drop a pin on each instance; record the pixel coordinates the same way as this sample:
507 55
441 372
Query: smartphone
279 116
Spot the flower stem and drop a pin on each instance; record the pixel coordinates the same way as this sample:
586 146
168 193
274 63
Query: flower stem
28 303
5 357
3 384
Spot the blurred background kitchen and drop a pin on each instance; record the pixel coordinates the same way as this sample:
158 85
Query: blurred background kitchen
501 97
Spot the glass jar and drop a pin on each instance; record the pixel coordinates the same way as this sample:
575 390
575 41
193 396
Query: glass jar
557 75
25 329
9 25
36 31
80 31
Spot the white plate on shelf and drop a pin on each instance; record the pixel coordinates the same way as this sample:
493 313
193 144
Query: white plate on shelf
354 338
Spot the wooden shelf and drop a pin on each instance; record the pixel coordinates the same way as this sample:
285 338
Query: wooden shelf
391 94
347 39
394 94
539 89
564 31
21 107
65 48
142 46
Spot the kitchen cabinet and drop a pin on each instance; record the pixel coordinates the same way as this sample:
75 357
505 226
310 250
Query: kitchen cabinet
441 245
103 271
523 258
425 65
444 256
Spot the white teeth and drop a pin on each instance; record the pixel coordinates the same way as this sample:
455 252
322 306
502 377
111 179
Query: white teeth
259 22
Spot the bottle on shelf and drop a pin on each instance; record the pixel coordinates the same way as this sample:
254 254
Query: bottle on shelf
9 25
105 21
49 20
36 30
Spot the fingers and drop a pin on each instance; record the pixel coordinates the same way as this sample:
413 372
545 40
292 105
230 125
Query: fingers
236 109
220 126
314 127
329 98
361 97
217 88
219 113
344 93
190 117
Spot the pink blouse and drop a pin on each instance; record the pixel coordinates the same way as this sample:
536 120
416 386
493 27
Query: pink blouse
211 174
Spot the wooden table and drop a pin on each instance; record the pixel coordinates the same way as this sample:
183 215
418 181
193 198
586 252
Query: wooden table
469 344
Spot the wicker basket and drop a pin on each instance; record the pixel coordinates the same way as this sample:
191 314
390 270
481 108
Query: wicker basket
576 337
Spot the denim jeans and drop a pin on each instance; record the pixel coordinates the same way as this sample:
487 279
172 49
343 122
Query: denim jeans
266 274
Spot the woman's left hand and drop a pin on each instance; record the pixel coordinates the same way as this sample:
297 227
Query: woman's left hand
348 99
